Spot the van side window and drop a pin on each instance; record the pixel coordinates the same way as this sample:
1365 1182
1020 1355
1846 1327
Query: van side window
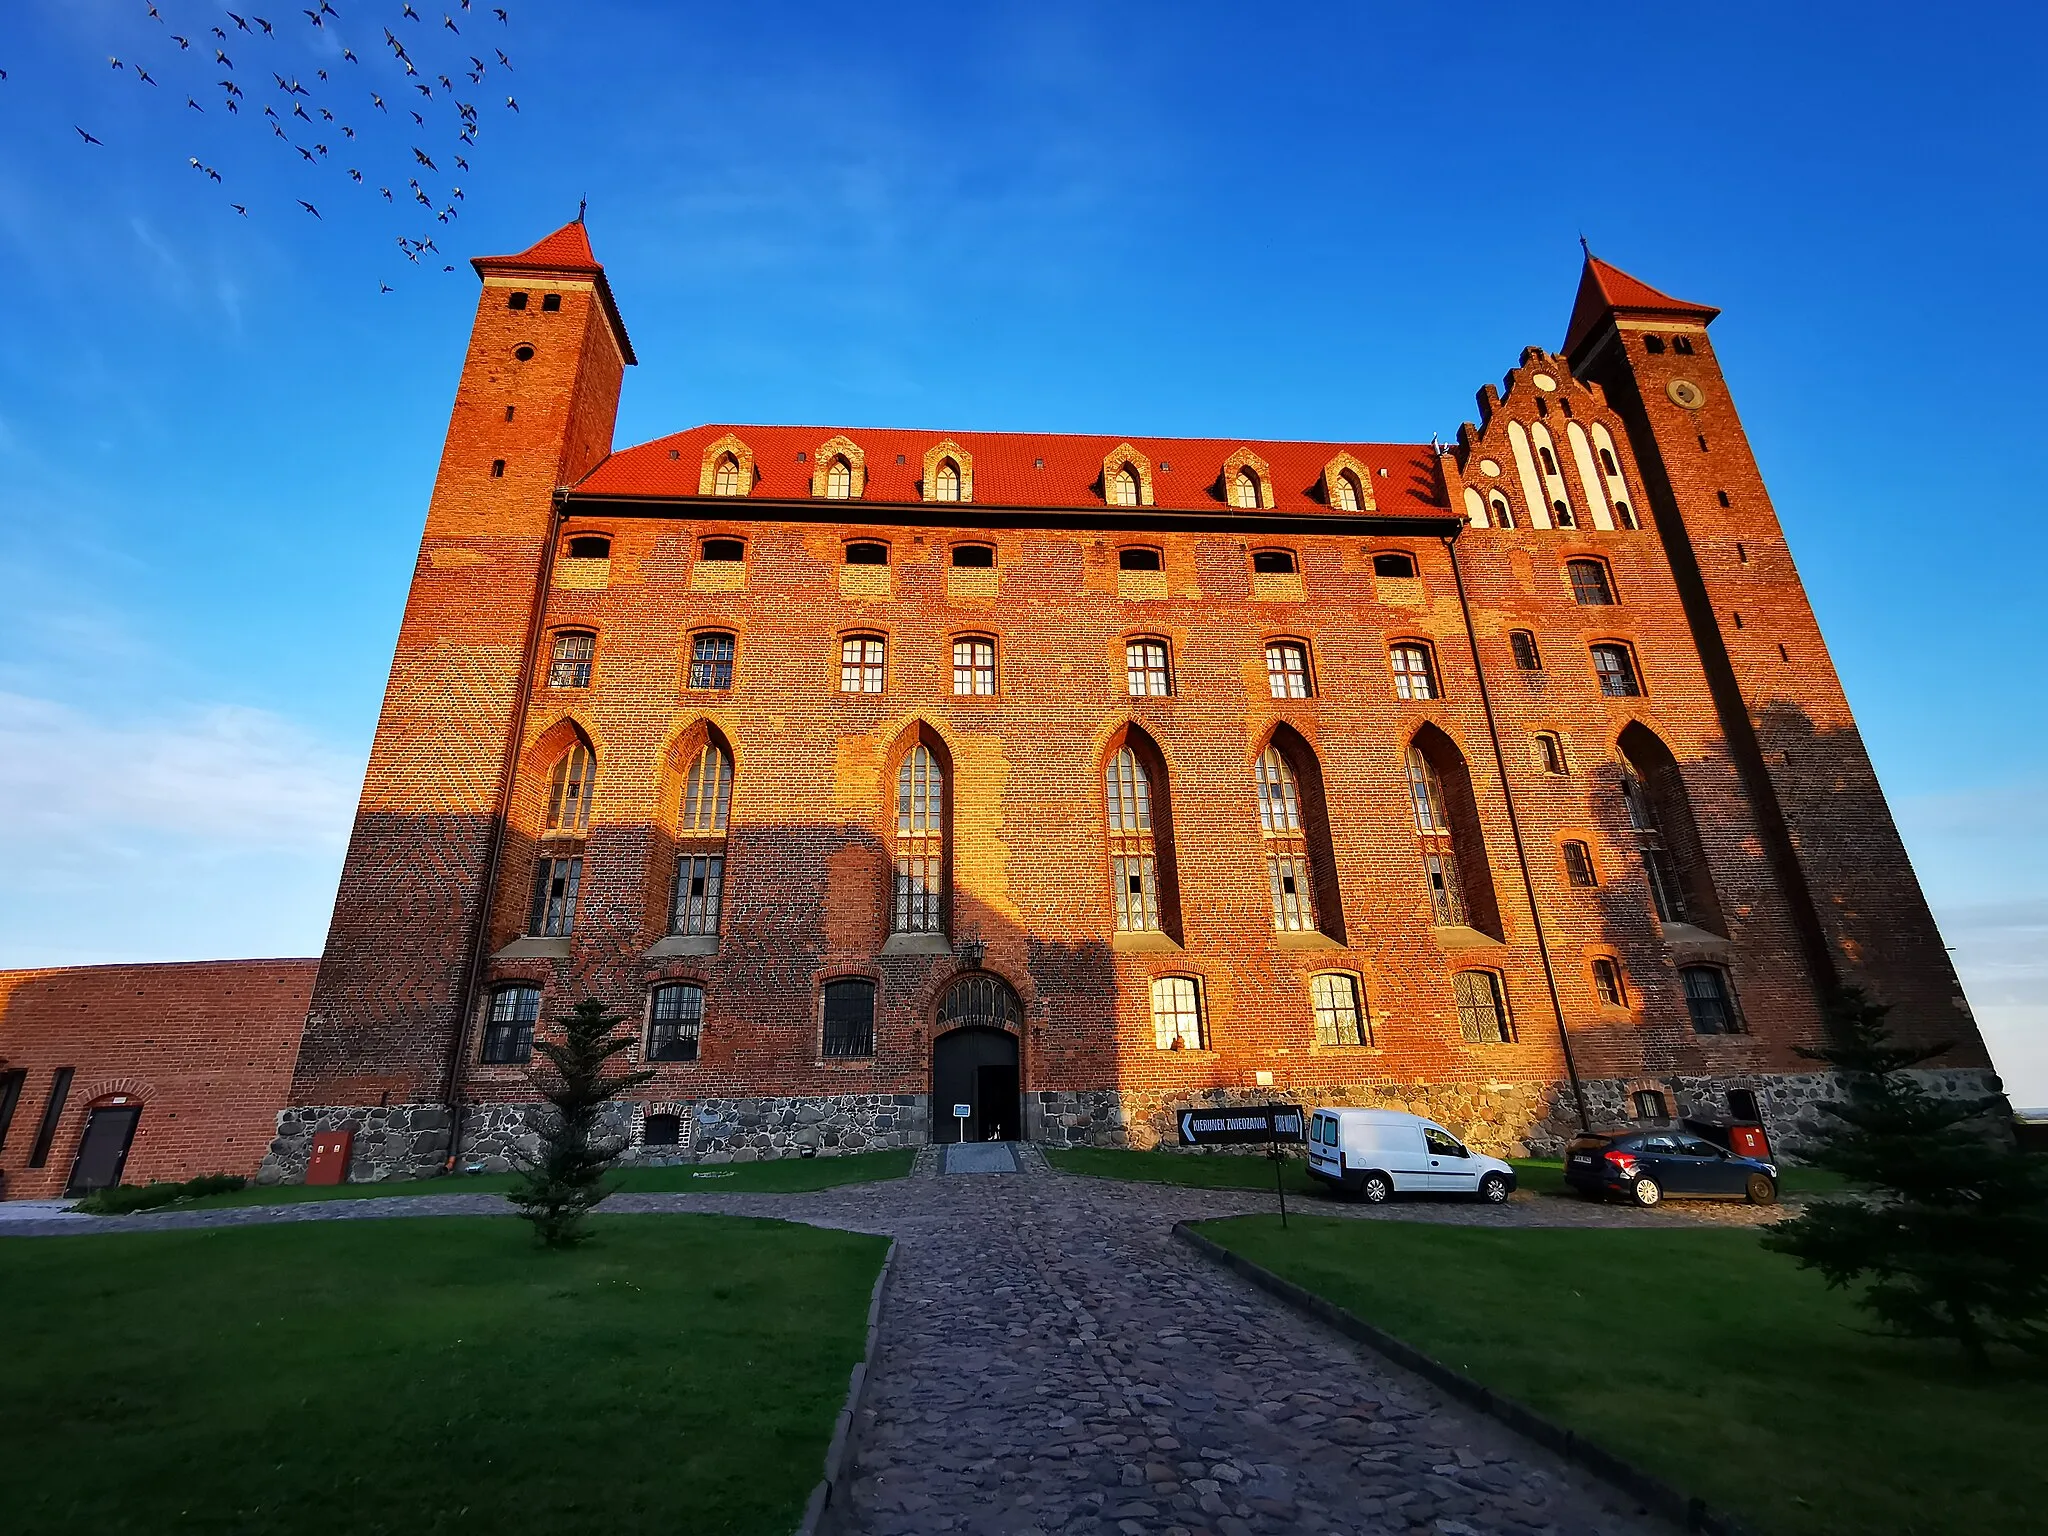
1441 1144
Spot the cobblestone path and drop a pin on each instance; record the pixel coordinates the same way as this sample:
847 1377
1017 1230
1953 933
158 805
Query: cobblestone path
1053 1363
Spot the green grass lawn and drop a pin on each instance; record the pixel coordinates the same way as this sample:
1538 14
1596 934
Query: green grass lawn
1723 1368
1545 1176
1200 1170
438 1375
788 1175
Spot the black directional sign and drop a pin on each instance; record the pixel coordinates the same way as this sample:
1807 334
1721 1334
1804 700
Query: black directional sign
1241 1123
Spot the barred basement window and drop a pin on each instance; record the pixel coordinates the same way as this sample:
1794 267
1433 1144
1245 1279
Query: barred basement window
1133 855
675 1023
1523 643
711 657
849 1018
861 664
974 667
1616 670
1287 869
553 913
1414 675
508 1028
1590 586
569 661
1147 669
1651 1106
1340 1017
1439 850
700 839
1607 984
920 843
1287 674
1177 1014
662 1130
570 788
1709 1001
1578 865
1482 1008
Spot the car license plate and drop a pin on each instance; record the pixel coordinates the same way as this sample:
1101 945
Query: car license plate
1581 1157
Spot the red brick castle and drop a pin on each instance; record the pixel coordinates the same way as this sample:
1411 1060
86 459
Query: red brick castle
1071 779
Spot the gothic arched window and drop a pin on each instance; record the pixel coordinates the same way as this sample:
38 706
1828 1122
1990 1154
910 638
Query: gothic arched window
839 480
700 843
1287 864
920 843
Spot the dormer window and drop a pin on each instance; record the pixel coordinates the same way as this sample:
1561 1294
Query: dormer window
1244 490
839 480
1345 492
946 485
726 478
1123 492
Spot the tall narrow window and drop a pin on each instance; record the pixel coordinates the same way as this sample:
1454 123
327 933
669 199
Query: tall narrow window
1503 513
1578 865
553 913
839 480
1607 984
1287 675
1482 1008
861 667
570 788
1709 1001
920 843
948 486
974 667
1414 676
1667 892
1439 849
10 1098
1590 586
1340 1017
1244 489
701 843
1550 753
725 480
1133 855
711 661
675 1023
1123 487
53 1116
1147 671
570 657
1616 670
849 1018
508 1028
1287 870
1177 1014
1523 643
1345 492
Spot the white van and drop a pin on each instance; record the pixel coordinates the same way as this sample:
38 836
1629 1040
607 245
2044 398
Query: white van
1373 1154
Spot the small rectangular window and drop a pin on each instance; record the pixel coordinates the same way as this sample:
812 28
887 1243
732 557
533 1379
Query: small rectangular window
1146 671
1607 984
1578 865
662 1130
590 546
861 668
974 667
1590 585
849 1018
724 550
1177 1014
974 557
1651 1107
1137 559
1550 754
1273 562
700 884
553 913
53 1115
1396 566
508 1031
1616 670
497 469
1709 1001
1482 1008
10 1098
570 659
1414 675
1340 1018
867 552
1742 1105
550 302
711 661
1287 675
1523 644
675 1023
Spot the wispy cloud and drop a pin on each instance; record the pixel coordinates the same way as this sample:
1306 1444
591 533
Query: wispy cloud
2001 953
232 776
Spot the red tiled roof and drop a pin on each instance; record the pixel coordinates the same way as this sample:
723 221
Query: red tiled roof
566 251
1605 289
1185 470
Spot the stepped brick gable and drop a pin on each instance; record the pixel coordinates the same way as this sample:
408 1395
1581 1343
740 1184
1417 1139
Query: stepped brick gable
1070 779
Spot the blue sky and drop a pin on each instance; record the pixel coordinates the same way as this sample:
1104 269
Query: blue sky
217 435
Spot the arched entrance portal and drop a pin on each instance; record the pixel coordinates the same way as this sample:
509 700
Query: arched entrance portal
976 1062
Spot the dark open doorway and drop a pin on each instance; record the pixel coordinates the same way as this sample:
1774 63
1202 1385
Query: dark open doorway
976 1067
103 1152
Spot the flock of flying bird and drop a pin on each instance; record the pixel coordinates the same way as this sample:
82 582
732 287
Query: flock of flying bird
310 111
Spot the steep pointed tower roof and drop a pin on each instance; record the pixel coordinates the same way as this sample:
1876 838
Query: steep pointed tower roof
1607 290
565 253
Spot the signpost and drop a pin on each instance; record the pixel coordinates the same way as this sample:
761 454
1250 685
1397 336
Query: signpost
1242 1124
962 1113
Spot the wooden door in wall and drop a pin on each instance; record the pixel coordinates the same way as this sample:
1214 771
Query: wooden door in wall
103 1150
976 1068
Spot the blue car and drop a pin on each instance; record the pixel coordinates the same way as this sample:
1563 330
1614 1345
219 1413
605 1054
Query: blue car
1646 1165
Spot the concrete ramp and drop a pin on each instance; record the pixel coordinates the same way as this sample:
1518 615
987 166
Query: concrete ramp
980 1157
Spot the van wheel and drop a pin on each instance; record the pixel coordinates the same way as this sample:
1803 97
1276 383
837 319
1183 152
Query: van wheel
1493 1189
1376 1189
1645 1191
1760 1190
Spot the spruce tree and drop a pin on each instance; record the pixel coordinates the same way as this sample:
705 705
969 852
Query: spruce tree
565 1182
1946 1227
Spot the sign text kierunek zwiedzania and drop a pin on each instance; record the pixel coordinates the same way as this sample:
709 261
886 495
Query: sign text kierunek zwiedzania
1241 1123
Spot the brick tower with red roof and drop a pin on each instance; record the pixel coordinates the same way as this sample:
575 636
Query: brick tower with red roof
1078 780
